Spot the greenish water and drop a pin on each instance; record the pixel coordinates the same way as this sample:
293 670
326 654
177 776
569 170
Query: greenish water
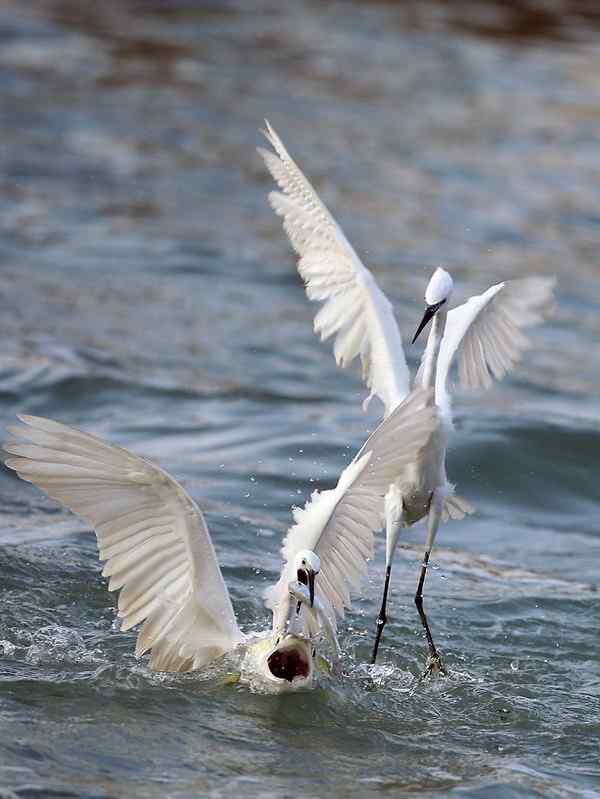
148 295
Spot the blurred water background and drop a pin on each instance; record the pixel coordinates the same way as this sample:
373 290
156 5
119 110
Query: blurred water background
148 294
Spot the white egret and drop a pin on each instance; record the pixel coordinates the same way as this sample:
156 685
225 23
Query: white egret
159 553
485 332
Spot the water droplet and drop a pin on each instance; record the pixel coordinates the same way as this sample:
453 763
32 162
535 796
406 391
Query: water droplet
7 648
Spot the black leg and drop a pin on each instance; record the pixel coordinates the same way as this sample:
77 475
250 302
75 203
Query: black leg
434 661
382 618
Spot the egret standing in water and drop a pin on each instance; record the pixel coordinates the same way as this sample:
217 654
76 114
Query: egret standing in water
485 332
159 553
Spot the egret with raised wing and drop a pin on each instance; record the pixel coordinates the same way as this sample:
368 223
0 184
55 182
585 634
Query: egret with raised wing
485 332
160 556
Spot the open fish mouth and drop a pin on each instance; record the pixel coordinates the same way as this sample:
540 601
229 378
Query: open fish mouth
290 660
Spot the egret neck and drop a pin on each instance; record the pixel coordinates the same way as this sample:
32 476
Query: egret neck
432 349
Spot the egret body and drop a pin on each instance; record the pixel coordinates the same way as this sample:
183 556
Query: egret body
485 334
159 555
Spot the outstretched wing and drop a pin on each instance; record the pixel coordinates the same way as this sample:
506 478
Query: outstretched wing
338 524
152 536
487 333
355 309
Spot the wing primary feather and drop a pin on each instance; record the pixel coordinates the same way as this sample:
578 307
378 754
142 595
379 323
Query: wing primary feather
151 534
486 333
356 312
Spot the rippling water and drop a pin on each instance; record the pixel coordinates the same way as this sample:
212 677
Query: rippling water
148 294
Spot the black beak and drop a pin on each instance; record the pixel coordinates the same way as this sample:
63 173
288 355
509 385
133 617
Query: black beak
311 586
430 312
307 577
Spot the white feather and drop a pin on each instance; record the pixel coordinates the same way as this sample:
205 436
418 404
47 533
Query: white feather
487 334
152 535
338 525
356 311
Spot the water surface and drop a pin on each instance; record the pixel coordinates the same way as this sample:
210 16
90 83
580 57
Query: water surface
148 295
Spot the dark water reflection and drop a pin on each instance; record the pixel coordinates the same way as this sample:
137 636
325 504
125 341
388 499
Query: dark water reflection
147 294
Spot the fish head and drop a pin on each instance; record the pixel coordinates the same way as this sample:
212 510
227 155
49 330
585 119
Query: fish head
290 661
287 664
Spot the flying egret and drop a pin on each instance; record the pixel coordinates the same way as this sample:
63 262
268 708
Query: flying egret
159 553
486 332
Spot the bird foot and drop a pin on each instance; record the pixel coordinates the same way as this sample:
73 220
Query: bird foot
433 667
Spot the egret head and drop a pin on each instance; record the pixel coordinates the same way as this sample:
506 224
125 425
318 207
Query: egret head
437 293
307 565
